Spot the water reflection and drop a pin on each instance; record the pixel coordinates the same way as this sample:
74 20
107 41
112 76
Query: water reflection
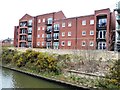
12 79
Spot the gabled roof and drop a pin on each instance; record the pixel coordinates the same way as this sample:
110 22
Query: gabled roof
26 16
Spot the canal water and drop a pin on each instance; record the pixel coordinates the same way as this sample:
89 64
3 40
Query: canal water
13 79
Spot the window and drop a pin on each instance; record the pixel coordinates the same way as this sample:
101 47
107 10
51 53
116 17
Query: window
56 45
39 21
42 43
63 43
69 43
91 32
91 43
101 45
56 27
30 22
102 34
63 33
102 22
43 19
69 33
49 20
42 35
83 33
56 35
43 28
38 28
63 24
49 28
48 44
29 37
30 30
29 44
49 36
91 22
83 43
38 43
69 24
38 36
84 22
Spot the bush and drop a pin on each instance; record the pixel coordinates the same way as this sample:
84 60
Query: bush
112 80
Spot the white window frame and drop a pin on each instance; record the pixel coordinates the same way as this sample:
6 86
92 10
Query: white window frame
38 43
50 20
42 35
102 34
102 45
39 20
91 22
30 22
69 24
83 33
43 28
38 28
43 20
83 22
62 43
91 32
30 30
63 24
43 44
69 43
38 36
83 42
69 33
63 34
91 43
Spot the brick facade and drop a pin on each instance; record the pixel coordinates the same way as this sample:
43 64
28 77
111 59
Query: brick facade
54 30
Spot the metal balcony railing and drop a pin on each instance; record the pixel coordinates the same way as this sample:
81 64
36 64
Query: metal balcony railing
118 38
118 17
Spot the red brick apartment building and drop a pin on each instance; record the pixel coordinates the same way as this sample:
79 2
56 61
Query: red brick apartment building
54 30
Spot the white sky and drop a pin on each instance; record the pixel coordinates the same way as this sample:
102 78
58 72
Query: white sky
13 10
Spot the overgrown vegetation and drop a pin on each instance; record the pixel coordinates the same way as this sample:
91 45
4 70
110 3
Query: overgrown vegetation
41 62
112 79
52 64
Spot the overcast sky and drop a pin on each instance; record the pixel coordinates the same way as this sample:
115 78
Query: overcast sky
12 10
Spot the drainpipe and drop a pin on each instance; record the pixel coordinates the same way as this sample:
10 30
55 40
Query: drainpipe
76 35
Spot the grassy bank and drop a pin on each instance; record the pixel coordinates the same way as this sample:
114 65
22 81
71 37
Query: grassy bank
51 66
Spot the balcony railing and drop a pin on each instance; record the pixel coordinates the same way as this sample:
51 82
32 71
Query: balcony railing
101 26
29 39
56 38
118 38
48 30
118 19
56 29
48 38
48 23
30 24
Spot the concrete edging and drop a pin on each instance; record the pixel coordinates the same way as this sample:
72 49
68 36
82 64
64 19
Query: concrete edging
49 79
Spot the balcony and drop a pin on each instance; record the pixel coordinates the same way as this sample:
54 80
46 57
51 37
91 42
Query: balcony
48 38
29 39
101 26
48 30
23 44
56 29
118 19
23 32
118 28
118 39
29 24
23 40
48 23
23 24
56 38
